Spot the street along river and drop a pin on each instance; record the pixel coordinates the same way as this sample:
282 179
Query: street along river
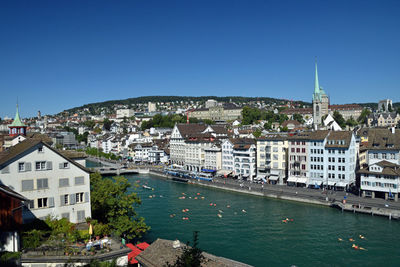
252 229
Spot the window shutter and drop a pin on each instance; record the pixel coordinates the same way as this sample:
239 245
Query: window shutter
5 170
51 202
61 166
87 197
49 165
72 199
46 183
27 185
39 184
31 204
62 201
28 166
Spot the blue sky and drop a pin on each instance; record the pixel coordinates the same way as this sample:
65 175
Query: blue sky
56 55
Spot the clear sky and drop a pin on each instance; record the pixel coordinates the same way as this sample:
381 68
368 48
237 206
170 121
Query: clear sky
56 55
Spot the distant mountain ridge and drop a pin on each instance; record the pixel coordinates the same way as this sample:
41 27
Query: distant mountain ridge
226 99
146 99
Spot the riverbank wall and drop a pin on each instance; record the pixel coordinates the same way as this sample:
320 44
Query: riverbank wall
339 200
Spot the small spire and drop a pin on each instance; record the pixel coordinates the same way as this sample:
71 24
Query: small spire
316 85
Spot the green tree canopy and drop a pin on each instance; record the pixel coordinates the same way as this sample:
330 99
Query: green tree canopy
339 119
298 118
113 204
107 124
257 133
363 116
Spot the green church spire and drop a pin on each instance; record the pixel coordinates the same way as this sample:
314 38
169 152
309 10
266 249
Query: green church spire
317 93
17 120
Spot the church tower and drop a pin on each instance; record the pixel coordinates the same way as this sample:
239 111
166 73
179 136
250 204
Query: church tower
17 127
320 101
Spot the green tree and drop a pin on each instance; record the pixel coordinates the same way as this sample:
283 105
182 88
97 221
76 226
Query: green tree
90 124
191 256
351 122
250 115
112 204
363 116
390 109
209 122
257 133
298 118
107 124
339 119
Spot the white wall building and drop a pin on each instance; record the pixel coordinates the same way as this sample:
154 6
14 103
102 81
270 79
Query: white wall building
54 184
125 113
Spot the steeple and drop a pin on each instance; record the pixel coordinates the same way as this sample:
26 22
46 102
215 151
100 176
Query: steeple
17 120
17 127
317 93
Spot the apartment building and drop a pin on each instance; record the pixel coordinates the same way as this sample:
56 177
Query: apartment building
55 185
244 157
272 157
380 180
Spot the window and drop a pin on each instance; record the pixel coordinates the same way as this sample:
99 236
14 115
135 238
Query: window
42 183
64 165
40 149
303 150
64 200
21 166
63 182
81 215
42 202
40 165
79 180
27 185
79 197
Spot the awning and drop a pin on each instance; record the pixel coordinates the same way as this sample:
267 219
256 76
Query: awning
275 172
208 170
224 172
341 184
273 178
331 183
292 179
301 180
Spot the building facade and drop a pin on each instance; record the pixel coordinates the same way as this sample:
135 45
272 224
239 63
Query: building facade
55 185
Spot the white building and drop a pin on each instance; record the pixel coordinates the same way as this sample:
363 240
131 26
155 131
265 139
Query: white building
212 157
151 107
380 180
244 157
125 113
54 184
227 156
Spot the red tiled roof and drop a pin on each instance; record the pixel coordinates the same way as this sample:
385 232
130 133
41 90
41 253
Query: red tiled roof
135 251
143 245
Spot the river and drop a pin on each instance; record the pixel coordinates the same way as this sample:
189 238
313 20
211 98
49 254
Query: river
251 228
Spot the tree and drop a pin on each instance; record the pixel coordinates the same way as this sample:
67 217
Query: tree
298 118
250 115
113 205
209 122
107 124
191 256
351 122
257 133
90 124
363 116
339 119
390 109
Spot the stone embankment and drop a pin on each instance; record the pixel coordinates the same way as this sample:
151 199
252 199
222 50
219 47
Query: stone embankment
337 199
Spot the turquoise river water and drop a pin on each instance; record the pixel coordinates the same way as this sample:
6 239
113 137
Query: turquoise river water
258 236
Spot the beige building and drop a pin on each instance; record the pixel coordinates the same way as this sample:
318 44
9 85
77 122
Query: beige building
225 112
272 157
